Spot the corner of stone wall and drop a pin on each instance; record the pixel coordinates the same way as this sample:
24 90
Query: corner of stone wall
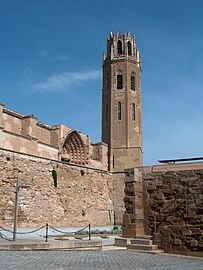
173 209
118 196
133 219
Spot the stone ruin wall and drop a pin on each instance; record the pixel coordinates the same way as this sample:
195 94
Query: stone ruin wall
175 197
83 195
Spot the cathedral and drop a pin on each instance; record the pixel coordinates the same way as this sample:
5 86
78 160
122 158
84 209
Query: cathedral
90 183
73 182
121 145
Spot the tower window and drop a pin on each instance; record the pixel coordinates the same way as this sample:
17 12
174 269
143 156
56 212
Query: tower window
133 111
133 81
119 110
119 47
129 48
119 81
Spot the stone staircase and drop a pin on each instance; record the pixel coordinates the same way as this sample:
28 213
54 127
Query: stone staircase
139 244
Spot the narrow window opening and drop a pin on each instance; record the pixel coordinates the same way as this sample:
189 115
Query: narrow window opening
119 110
129 48
119 47
133 82
133 111
119 81
113 162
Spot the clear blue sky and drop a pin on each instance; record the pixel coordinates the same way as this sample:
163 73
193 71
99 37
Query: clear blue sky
50 66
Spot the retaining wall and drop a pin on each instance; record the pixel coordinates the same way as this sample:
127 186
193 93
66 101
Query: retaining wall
82 196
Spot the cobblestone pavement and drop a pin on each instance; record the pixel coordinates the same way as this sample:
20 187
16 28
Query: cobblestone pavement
94 260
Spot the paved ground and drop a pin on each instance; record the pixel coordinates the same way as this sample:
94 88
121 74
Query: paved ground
95 260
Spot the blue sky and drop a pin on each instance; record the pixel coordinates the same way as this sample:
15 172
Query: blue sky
51 66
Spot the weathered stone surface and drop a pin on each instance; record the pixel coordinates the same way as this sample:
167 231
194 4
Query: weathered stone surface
26 135
177 205
134 215
186 232
193 243
82 195
177 242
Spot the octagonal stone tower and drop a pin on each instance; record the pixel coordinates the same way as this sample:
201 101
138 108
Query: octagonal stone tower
122 103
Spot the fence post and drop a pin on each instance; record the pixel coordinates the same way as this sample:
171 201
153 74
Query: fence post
47 229
89 232
16 208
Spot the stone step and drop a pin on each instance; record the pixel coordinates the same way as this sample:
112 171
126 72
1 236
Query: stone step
141 241
143 247
139 244
123 242
31 244
158 251
149 237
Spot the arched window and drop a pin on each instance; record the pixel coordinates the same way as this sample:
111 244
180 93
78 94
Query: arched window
129 48
133 111
119 47
119 110
133 81
119 81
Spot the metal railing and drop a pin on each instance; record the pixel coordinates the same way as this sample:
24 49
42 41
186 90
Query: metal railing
86 229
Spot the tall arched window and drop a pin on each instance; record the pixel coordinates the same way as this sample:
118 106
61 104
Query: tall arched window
129 48
133 80
119 81
119 110
133 111
119 47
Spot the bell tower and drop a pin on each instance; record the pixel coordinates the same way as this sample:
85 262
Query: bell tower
122 103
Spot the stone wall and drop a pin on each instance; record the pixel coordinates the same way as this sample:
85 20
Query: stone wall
83 195
25 134
133 219
173 205
119 194
27 145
